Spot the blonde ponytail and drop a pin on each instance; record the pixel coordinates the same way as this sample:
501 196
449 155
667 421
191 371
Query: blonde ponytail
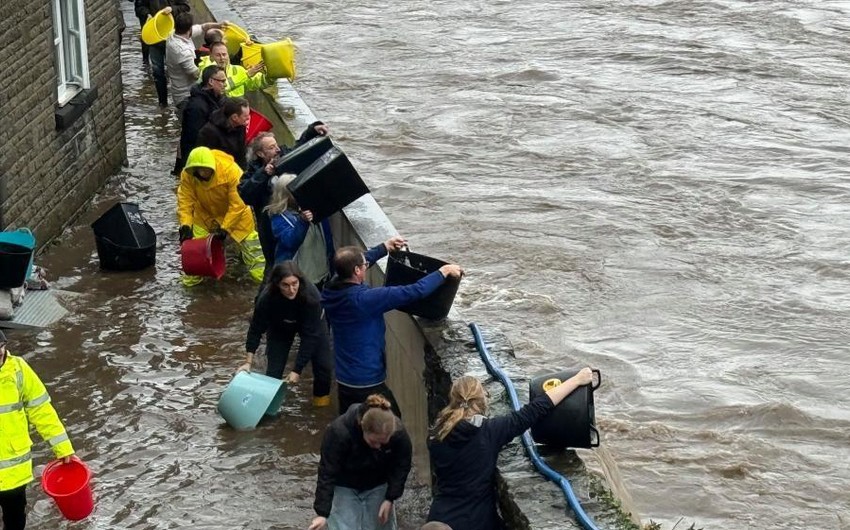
466 399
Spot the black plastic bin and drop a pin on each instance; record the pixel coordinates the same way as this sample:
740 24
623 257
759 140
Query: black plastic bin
302 156
14 264
573 422
125 241
328 185
405 267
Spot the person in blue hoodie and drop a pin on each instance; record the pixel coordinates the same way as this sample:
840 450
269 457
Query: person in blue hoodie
355 312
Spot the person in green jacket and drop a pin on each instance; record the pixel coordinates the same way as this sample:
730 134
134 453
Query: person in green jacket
239 80
23 401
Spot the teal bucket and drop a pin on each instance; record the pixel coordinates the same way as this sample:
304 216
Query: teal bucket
16 251
248 396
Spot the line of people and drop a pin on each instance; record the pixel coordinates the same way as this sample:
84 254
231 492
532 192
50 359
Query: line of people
229 190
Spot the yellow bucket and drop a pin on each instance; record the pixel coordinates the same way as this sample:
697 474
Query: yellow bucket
158 28
251 54
279 59
234 36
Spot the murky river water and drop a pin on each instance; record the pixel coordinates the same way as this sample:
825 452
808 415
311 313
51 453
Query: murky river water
658 188
655 188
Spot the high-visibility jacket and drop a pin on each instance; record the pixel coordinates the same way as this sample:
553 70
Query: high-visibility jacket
238 80
24 401
215 203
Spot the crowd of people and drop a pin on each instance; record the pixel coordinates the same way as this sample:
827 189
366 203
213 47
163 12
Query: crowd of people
309 289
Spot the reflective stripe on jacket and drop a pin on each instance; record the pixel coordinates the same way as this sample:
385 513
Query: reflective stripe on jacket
24 401
238 81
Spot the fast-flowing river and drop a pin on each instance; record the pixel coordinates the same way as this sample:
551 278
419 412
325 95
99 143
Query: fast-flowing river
658 189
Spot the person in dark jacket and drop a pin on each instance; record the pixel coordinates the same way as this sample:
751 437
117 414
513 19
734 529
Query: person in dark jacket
465 445
155 53
289 306
356 315
226 130
366 455
203 100
255 186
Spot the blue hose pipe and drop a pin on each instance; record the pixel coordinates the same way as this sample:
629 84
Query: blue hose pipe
530 449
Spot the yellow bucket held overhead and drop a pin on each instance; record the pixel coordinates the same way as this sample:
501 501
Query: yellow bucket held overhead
251 54
279 59
158 28
234 36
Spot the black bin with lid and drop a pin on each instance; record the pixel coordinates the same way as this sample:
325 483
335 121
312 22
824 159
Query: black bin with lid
124 239
573 422
328 185
405 267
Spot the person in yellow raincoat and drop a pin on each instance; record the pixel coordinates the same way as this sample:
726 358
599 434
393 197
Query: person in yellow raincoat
208 203
23 401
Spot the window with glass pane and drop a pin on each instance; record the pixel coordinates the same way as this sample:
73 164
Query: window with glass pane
69 40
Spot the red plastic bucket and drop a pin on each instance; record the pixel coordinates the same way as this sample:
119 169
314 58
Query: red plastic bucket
257 123
203 257
69 485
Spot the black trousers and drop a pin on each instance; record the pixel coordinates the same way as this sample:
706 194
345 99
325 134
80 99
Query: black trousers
14 506
277 354
349 395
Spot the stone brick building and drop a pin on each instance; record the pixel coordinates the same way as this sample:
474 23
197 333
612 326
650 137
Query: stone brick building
61 108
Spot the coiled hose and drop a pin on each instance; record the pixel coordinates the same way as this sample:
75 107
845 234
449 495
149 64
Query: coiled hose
530 449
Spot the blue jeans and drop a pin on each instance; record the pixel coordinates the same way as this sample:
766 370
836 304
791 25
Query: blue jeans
358 510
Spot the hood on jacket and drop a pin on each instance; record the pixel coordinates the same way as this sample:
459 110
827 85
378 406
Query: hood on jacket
335 293
464 431
206 93
218 119
200 157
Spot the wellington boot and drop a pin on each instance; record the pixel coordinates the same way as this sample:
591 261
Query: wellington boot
321 401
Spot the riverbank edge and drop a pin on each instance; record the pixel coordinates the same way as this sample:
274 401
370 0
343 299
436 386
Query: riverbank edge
423 358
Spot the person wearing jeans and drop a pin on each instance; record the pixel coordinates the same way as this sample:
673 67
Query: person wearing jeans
366 457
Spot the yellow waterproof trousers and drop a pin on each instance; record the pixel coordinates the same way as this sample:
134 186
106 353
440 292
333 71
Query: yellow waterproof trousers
252 256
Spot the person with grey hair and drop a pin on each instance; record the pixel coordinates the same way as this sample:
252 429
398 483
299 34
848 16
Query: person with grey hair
296 237
255 186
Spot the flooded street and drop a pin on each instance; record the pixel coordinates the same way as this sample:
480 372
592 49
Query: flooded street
658 189
137 368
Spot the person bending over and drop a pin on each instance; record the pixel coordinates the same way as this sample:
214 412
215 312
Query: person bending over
366 457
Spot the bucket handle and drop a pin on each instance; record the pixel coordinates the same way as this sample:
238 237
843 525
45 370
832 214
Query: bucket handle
209 247
598 379
594 433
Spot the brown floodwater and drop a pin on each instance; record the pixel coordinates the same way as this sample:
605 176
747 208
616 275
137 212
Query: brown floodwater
655 188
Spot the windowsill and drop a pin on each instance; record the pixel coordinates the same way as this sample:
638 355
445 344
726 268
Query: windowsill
67 114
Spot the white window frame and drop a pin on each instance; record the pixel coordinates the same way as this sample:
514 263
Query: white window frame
70 49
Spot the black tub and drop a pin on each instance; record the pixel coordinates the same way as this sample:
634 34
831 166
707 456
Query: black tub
328 185
573 422
125 241
14 264
405 267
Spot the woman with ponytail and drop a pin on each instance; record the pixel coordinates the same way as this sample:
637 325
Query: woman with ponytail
366 455
465 445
